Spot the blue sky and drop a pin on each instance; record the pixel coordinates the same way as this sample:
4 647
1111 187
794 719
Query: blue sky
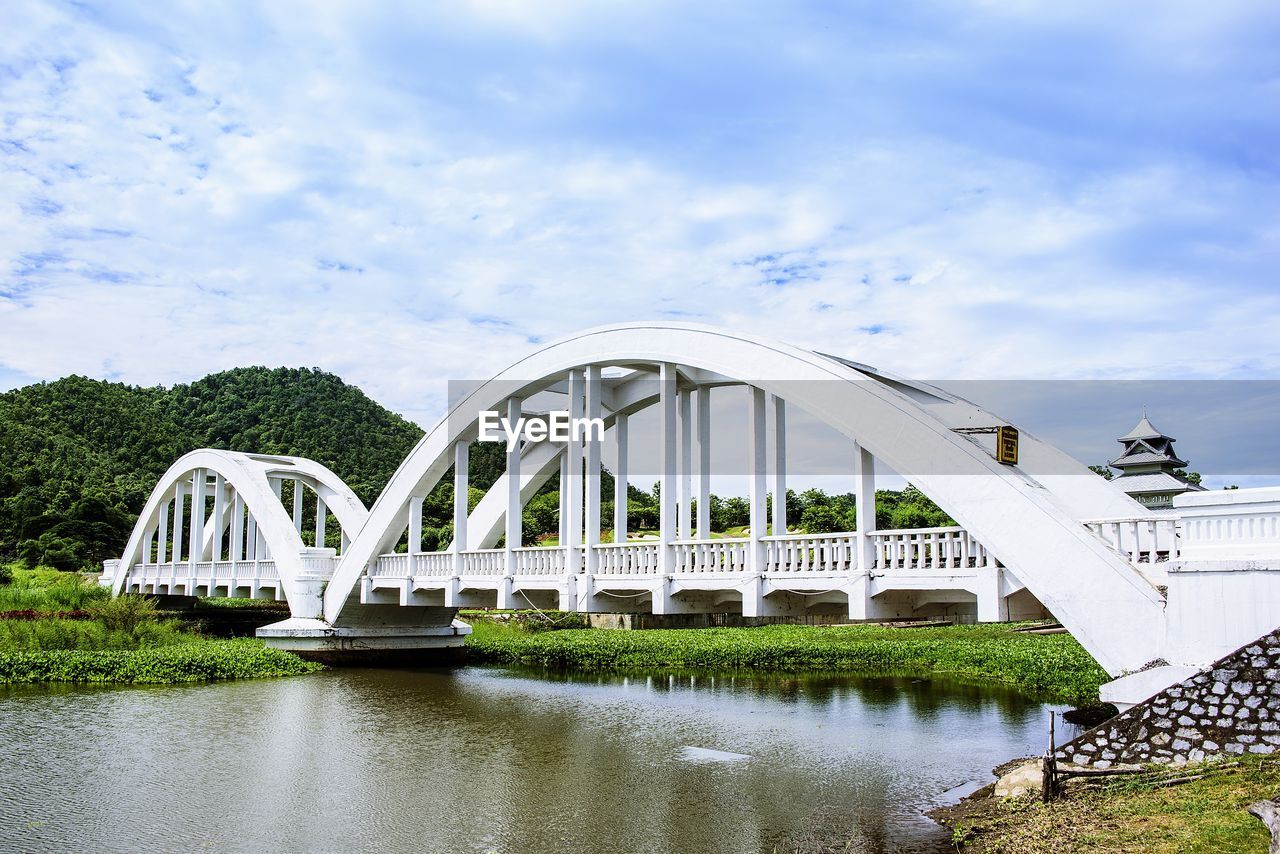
405 194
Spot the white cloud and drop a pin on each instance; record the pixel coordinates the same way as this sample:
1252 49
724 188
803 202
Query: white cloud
406 198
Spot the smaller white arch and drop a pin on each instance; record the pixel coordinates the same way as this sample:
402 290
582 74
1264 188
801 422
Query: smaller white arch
250 476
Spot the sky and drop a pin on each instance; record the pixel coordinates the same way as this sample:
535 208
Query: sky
405 194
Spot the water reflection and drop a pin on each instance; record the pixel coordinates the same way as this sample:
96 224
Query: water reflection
489 759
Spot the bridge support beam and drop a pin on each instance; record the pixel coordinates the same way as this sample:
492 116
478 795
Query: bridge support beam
992 605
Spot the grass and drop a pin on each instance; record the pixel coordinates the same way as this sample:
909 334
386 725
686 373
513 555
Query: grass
1046 665
49 590
1134 815
121 639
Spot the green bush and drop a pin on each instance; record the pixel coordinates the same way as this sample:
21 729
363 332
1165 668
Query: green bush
6 574
197 662
124 613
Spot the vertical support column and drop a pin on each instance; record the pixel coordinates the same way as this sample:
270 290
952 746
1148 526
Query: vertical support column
684 499
148 546
515 515
563 537
864 475
992 606
592 482
620 481
162 537
414 536
297 505
250 538
752 598
779 466
461 510
219 509
704 463
573 471
461 497
179 496
237 529
667 439
322 511
196 534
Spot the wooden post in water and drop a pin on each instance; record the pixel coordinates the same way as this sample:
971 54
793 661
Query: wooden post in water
1049 780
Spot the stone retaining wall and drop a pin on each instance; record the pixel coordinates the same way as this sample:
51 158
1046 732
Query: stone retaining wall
1231 709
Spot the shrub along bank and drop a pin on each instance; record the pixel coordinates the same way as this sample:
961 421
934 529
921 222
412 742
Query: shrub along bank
114 640
1049 665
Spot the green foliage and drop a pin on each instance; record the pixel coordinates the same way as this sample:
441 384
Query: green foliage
48 590
124 613
6 574
81 456
1049 665
1103 472
57 634
192 662
532 621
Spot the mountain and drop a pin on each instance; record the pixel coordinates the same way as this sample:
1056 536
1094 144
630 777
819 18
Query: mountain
78 457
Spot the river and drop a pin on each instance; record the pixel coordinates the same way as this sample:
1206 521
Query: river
491 759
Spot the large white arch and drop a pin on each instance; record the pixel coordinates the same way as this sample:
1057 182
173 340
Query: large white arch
249 476
1028 515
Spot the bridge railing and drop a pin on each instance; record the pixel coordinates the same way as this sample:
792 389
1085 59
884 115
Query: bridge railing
1146 539
188 574
811 552
921 549
539 560
724 555
927 549
629 558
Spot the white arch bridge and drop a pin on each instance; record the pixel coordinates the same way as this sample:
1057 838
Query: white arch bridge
1045 534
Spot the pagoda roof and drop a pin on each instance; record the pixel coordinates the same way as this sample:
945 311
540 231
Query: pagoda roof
1160 481
1142 455
1144 430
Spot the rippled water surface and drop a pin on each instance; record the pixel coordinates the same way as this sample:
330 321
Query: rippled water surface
480 759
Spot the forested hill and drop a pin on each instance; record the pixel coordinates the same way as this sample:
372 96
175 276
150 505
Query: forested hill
78 457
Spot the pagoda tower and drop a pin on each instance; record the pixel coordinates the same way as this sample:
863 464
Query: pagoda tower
1149 467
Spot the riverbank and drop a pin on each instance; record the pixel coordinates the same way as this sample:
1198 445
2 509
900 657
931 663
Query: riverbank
1045 665
1143 813
62 627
